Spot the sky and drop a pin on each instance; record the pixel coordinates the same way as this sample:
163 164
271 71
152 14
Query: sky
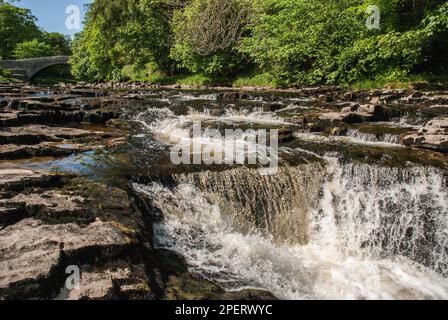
51 14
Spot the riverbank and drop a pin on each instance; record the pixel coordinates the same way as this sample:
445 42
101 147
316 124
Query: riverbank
422 81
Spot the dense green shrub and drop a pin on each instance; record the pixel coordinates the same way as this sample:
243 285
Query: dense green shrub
307 41
32 49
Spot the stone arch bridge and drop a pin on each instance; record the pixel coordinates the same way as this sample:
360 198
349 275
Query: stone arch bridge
26 69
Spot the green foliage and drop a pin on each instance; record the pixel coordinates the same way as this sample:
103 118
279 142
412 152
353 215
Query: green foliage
16 25
32 49
19 33
59 44
124 32
288 42
307 41
3 76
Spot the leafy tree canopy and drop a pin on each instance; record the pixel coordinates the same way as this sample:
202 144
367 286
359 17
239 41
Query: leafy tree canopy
18 32
291 41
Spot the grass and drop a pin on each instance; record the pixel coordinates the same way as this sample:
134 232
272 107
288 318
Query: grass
200 79
255 80
4 78
427 81
263 80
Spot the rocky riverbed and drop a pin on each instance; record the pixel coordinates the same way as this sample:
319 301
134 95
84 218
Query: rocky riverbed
71 154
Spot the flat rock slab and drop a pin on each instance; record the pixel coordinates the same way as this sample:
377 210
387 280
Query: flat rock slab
16 179
123 281
433 136
31 251
17 175
43 149
30 134
51 206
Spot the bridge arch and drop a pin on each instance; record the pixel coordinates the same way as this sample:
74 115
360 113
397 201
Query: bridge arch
30 67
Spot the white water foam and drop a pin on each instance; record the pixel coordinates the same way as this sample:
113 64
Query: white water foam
342 259
176 130
353 140
367 137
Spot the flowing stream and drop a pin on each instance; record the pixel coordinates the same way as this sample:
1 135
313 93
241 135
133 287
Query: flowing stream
326 227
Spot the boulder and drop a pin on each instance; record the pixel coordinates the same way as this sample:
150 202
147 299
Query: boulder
360 114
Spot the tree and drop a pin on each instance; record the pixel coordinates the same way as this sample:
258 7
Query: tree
123 32
60 44
207 34
16 25
290 41
18 31
311 42
32 49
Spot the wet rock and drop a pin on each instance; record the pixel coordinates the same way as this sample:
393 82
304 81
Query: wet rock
285 134
433 136
190 286
249 295
325 98
43 149
8 118
33 134
333 116
360 114
437 110
173 263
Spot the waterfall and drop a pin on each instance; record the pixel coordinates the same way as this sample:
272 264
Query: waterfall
382 211
348 231
368 137
277 205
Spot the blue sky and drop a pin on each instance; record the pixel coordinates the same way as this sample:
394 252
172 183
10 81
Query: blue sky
51 13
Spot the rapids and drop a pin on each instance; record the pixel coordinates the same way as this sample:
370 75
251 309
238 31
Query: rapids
325 227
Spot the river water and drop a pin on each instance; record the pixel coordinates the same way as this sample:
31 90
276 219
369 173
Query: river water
349 216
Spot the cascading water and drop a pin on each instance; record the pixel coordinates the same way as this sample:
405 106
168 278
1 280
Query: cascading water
264 203
318 230
365 239
367 137
384 212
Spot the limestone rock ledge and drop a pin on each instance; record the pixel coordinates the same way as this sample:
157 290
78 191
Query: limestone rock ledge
433 136
50 221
